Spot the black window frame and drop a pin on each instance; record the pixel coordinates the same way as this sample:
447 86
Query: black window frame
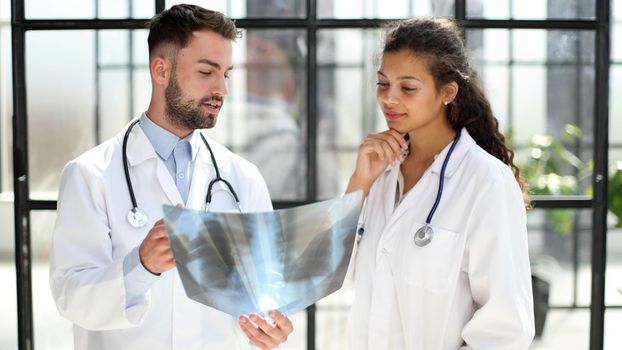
23 205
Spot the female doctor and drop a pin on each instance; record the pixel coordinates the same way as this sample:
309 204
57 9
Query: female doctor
442 259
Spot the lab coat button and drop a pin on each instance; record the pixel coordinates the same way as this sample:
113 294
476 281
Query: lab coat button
181 176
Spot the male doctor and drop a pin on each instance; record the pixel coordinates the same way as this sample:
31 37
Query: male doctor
116 281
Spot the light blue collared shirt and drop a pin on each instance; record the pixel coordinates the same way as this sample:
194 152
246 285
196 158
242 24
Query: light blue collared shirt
179 156
183 152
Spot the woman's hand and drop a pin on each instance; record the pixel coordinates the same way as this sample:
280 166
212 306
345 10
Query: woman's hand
375 153
264 334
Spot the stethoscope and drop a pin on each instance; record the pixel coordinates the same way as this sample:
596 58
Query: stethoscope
424 235
137 218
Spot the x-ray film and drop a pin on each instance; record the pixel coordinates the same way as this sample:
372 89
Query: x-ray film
283 260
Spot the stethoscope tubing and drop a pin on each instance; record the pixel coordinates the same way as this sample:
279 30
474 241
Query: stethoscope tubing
437 200
208 197
441 180
128 180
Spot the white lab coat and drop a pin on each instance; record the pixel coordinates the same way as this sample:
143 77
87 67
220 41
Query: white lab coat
470 287
92 237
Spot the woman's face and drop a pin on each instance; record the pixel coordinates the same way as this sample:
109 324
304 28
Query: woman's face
407 94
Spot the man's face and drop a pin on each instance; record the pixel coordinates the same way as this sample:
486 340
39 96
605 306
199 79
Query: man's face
198 81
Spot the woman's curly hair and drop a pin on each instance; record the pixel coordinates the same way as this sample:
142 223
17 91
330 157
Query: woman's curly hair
439 41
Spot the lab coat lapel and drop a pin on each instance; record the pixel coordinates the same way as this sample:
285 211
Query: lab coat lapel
424 192
201 176
168 185
389 187
139 149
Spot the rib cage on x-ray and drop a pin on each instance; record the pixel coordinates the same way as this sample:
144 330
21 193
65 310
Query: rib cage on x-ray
255 262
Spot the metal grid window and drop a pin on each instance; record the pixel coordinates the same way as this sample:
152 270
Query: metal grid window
325 52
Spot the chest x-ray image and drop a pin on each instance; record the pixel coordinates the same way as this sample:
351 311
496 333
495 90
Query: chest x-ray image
283 260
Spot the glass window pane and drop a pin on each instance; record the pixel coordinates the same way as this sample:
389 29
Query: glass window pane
613 337
613 280
140 48
113 106
560 246
85 9
613 289
142 91
559 239
347 109
223 6
43 9
8 292
531 9
5 11
61 100
125 8
379 9
529 45
543 98
112 9
264 117
252 9
92 101
616 38
113 47
51 331
6 109
143 8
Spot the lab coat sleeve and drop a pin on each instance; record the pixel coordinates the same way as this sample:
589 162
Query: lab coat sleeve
87 283
348 281
497 263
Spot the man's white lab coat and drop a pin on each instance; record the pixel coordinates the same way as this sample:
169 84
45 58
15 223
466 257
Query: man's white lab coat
92 237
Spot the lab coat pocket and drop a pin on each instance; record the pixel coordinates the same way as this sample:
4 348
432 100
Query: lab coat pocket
434 267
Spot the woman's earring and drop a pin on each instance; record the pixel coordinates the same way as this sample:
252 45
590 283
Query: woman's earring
446 103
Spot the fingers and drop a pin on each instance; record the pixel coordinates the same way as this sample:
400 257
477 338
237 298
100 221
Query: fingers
155 251
255 334
388 146
282 321
265 334
158 230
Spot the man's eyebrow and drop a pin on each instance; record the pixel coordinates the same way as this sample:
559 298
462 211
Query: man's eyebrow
213 64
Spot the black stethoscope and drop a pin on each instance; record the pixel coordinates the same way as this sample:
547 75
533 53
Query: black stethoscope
424 235
137 218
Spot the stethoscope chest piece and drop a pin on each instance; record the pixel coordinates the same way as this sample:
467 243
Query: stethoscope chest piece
424 236
136 218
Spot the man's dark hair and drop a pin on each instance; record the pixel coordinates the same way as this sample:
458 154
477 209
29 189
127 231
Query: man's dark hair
175 26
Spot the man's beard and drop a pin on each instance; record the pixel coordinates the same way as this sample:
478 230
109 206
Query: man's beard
187 114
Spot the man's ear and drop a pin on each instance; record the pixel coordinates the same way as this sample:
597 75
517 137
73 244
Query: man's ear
160 68
449 91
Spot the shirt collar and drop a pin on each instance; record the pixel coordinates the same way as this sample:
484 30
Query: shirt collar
162 140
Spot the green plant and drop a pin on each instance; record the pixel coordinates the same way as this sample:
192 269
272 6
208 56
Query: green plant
614 198
549 168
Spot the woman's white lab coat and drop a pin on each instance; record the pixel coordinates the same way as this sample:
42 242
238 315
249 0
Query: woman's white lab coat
470 287
92 237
